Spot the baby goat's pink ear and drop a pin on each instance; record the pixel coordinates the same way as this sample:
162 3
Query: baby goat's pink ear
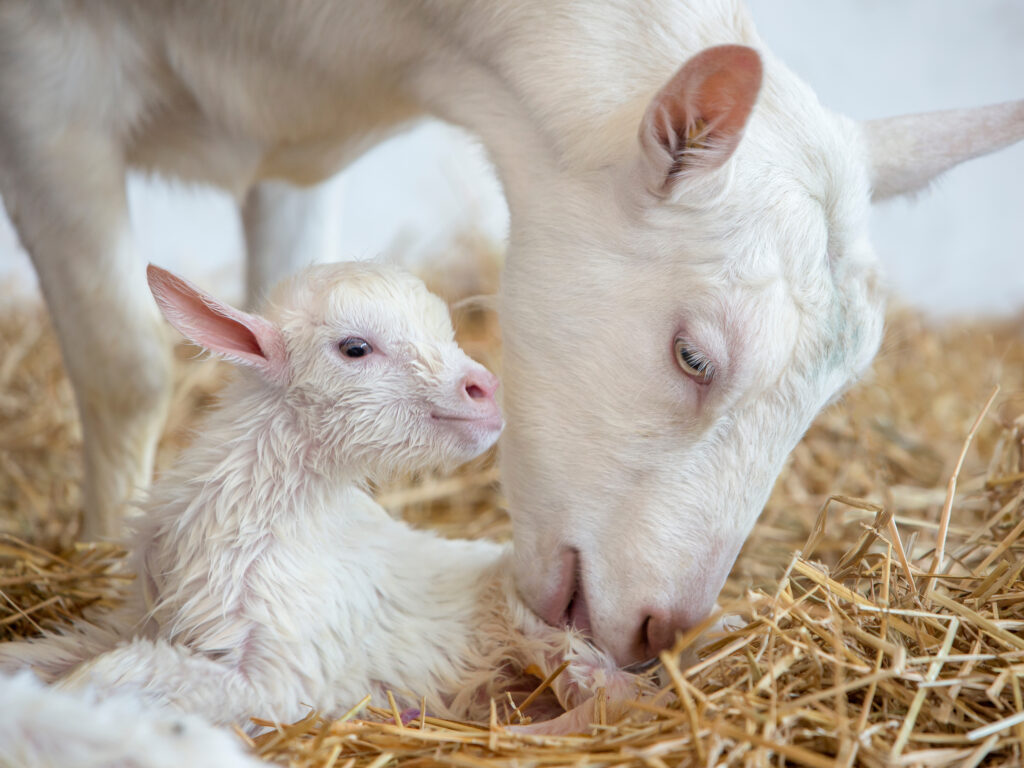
697 119
219 327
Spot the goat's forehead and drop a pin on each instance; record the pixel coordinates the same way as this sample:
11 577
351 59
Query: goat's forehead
799 213
403 309
387 298
822 303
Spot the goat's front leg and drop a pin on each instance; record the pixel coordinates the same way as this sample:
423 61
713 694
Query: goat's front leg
287 228
64 187
170 675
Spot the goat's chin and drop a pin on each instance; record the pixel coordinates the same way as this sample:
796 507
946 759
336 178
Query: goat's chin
465 439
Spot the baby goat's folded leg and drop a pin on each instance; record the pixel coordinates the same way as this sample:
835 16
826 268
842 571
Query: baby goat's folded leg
610 693
173 676
50 657
591 682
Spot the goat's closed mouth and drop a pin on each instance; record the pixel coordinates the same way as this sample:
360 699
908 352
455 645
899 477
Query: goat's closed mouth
453 417
489 421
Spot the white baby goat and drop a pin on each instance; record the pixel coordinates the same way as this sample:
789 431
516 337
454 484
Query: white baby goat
268 580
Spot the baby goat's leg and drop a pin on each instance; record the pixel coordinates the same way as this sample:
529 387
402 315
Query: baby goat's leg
170 675
286 228
590 676
51 657
64 187
587 693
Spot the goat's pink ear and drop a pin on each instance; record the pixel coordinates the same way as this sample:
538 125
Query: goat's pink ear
697 120
218 327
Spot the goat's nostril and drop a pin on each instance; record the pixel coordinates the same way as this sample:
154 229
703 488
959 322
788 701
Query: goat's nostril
658 633
479 385
645 638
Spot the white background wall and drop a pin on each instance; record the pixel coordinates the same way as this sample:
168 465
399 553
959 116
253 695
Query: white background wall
958 249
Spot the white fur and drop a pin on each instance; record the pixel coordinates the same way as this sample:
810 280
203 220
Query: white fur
632 489
44 728
269 582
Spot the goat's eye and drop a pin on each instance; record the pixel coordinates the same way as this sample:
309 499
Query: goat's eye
694 363
355 347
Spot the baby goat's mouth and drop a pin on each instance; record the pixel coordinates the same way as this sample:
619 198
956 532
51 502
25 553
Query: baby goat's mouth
487 421
443 416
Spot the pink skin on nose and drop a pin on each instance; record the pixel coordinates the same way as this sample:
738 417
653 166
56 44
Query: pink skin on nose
474 406
660 630
567 604
477 389
663 623
553 606
480 384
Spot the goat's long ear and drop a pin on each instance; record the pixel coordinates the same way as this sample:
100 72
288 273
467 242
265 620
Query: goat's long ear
697 119
218 327
907 152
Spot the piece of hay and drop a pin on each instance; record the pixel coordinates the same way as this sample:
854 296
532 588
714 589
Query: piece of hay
41 589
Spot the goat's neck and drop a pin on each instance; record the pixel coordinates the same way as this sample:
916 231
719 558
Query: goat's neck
553 103
252 460
248 480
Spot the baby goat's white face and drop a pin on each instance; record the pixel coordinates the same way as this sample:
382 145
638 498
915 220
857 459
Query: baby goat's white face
376 373
360 357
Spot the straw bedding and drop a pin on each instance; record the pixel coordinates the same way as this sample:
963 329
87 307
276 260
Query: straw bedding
878 606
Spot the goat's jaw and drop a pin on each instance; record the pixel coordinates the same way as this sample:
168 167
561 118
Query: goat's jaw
473 434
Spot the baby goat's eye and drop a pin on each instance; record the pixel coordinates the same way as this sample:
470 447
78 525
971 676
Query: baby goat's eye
355 347
694 363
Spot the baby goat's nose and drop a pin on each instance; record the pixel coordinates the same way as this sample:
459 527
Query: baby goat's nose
479 384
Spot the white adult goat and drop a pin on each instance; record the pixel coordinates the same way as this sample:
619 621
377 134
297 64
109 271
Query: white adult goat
689 277
268 581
